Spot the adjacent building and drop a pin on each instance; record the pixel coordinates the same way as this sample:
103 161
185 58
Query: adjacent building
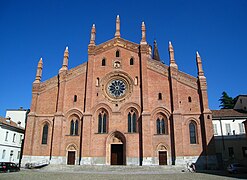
230 134
241 103
18 116
123 106
12 129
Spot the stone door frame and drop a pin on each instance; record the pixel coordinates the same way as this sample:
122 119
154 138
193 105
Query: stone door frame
115 137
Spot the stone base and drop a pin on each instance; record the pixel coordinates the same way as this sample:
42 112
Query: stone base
93 161
147 161
132 161
153 161
60 160
102 161
202 162
34 159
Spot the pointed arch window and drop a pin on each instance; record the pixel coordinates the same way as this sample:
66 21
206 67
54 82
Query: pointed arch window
160 96
192 129
45 134
103 62
136 80
102 120
132 122
117 53
75 98
74 127
161 126
97 82
189 99
131 61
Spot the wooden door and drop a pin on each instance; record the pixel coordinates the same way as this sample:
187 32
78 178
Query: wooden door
117 154
162 157
71 158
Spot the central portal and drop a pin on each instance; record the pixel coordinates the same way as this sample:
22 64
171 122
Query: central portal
116 149
117 154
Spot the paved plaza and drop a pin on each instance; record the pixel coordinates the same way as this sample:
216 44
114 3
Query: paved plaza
115 172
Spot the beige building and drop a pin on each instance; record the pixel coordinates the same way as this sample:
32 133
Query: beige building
122 107
11 137
230 136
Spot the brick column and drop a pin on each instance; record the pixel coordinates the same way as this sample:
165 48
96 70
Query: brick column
176 117
145 132
31 119
57 138
206 117
86 140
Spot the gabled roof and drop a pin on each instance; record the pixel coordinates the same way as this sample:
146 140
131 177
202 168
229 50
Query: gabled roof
228 113
116 42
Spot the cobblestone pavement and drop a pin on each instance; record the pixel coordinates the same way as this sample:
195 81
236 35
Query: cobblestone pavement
115 173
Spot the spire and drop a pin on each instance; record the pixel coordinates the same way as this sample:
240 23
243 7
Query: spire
65 60
171 54
156 52
143 41
117 34
93 33
199 64
39 71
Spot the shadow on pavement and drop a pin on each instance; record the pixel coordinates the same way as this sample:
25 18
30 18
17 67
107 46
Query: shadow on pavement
224 173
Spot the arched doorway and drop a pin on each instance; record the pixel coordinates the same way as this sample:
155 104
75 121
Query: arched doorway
117 148
71 154
162 154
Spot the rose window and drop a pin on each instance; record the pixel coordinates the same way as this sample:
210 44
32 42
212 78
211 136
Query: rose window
117 88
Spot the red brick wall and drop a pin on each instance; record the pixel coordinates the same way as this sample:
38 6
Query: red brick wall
94 144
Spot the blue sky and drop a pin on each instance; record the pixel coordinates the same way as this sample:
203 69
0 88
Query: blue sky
33 29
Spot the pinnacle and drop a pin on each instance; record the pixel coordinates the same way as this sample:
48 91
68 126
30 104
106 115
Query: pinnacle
41 60
117 33
93 28
170 43
197 54
170 46
66 51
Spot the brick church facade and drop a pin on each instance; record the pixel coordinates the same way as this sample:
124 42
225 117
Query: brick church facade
121 107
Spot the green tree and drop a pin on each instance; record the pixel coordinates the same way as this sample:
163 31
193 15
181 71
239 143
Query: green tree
226 102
